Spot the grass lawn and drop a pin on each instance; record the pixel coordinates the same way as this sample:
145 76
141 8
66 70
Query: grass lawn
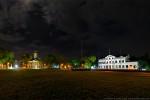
54 84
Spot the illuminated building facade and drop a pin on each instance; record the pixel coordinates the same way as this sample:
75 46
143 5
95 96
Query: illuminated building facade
117 63
2 66
34 63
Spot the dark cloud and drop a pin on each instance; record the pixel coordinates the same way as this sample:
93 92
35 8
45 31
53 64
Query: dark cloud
58 26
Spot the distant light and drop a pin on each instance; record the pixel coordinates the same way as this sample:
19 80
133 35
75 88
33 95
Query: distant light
10 67
16 66
143 69
92 67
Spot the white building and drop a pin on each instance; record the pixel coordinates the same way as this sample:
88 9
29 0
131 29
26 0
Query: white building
34 63
117 63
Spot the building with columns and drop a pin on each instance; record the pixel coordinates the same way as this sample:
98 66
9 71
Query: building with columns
117 63
34 63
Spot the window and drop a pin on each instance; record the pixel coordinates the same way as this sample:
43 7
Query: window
116 66
126 66
119 61
110 62
113 66
116 61
109 66
123 61
134 66
122 66
119 66
106 66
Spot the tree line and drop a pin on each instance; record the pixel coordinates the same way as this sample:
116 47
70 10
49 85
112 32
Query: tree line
7 56
143 61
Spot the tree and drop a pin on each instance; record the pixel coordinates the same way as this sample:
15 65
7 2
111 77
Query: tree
59 59
6 55
89 61
75 62
41 62
25 58
49 60
144 64
53 60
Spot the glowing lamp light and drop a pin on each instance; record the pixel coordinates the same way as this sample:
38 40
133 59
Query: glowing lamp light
93 67
61 65
16 66
82 65
65 67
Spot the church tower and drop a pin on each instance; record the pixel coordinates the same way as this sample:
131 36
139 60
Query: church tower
35 55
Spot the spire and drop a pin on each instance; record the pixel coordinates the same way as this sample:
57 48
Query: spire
35 55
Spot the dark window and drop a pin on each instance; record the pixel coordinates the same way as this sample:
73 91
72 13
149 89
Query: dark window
119 61
126 66
134 66
122 66
123 61
115 61
116 66
106 66
119 66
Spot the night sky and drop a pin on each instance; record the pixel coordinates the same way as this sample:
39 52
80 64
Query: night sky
58 26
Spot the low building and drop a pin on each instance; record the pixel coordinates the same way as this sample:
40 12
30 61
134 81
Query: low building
2 66
117 63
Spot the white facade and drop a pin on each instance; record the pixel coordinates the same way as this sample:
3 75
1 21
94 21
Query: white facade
117 63
34 63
